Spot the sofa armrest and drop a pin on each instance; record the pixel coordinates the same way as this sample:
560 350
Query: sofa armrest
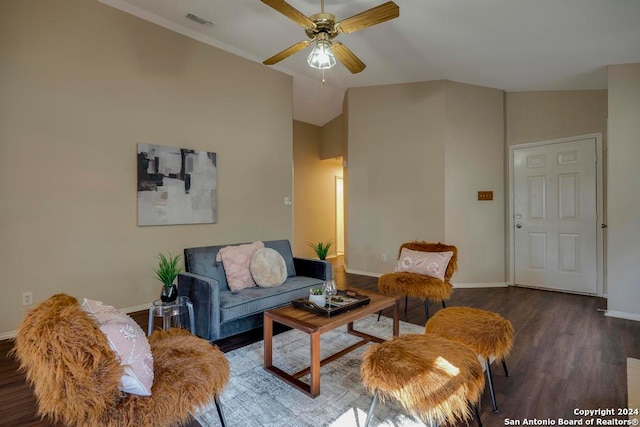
204 293
318 269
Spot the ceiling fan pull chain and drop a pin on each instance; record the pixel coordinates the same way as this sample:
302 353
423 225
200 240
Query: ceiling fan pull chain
322 78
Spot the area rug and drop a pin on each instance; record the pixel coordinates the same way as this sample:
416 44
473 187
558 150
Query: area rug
633 386
257 398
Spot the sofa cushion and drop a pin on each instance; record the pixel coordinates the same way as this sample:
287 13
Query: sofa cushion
284 248
268 268
236 259
202 261
256 300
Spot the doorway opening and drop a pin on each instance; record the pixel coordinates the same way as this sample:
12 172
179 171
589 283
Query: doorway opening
339 216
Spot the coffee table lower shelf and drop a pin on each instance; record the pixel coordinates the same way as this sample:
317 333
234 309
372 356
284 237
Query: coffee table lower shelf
315 325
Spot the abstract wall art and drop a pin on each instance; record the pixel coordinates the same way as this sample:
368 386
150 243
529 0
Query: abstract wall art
176 186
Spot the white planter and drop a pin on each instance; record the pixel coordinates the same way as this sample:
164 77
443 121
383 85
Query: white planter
318 300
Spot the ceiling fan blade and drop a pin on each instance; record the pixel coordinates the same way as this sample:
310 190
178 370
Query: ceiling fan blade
376 15
290 12
287 52
347 58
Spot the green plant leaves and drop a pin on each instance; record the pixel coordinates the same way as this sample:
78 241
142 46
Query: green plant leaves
168 269
321 248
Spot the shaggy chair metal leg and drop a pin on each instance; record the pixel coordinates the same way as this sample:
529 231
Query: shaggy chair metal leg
504 365
379 314
426 307
494 406
370 413
220 413
475 410
406 303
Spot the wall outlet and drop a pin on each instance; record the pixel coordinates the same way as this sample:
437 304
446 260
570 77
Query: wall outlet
27 298
383 257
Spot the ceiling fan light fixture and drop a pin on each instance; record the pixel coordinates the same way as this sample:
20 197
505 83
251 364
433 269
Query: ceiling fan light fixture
321 57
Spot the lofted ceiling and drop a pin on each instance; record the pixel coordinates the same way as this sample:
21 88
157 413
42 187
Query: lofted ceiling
513 45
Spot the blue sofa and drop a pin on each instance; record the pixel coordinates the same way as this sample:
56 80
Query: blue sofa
220 312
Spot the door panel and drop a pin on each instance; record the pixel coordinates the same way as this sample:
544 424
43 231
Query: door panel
556 216
538 250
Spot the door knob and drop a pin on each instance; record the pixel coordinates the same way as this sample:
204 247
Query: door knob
518 225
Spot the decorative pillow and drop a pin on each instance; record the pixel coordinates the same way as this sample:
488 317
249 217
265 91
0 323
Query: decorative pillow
432 264
268 268
235 260
130 344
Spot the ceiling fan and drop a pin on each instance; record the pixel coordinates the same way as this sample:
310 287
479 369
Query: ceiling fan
322 28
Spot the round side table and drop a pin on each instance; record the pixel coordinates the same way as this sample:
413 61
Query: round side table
174 314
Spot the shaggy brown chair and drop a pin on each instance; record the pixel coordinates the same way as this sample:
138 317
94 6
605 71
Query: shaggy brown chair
418 285
432 377
75 375
488 334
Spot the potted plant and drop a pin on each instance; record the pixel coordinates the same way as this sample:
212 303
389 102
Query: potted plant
321 248
316 296
167 271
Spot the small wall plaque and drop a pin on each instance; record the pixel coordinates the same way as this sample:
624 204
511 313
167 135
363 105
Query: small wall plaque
485 195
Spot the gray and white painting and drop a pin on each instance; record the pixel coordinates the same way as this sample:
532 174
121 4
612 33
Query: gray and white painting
176 186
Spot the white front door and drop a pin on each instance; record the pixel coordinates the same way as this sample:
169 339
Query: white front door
555 216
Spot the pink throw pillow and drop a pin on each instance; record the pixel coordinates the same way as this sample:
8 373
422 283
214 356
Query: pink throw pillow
432 264
236 260
130 344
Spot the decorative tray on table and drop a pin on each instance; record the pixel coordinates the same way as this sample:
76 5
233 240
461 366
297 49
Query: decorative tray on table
343 301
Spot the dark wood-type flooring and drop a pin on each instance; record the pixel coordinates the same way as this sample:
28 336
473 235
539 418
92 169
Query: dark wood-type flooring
567 355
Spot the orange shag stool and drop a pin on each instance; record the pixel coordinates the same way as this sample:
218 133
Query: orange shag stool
488 334
433 378
420 285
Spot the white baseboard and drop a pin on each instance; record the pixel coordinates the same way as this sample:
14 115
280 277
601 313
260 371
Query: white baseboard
8 335
361 272
480 285
623 315
142 307
455 285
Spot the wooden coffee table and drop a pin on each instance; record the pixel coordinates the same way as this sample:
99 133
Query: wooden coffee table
315 325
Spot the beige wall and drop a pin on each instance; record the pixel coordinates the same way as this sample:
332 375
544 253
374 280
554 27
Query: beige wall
80 84
332 139
396 157
623 269
418 154
474 160
546 115
314 199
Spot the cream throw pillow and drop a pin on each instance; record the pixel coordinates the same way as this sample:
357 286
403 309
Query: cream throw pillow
235 260
130 344
432 264
268 268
